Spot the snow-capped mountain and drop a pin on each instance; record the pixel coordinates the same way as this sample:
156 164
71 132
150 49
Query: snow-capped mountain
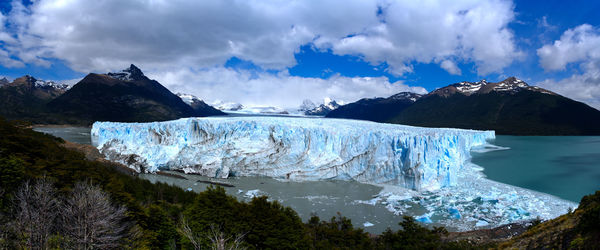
187 98
409 96
51 84
510 85
132 73
323 109
3 81
227 106
42 89
306 106
127 96
31 82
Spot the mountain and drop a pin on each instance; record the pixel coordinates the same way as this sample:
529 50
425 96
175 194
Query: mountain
26 97
376 109
198 105
227 106
322 110
509 107
3 81
126 96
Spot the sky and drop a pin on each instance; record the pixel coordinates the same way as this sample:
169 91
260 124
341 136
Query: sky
279 53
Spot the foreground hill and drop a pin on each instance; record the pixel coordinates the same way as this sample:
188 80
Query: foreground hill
127 96
508 107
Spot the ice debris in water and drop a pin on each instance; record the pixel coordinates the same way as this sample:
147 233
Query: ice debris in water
253 193
473 202
293 148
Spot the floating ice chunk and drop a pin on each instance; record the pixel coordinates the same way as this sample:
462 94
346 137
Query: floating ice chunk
253 193
424 218
368 224
189 189
481 223
372 202
488 148
454 213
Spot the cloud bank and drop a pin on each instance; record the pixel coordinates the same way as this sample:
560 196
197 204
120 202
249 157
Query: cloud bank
579 47
281 90
176 36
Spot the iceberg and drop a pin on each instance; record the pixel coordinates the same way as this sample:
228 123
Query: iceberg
297 149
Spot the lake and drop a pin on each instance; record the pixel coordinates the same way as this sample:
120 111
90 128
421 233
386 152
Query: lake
566 167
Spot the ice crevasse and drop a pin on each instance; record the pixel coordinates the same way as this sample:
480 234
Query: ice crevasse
297 149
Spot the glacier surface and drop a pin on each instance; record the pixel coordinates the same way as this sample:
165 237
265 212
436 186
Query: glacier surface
295 149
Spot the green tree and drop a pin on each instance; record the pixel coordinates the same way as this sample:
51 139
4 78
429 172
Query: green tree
12 172
161 232
273 226
411 236
214 208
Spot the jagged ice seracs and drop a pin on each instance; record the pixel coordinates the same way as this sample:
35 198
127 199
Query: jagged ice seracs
297 149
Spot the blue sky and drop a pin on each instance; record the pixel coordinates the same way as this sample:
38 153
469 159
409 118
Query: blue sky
267 49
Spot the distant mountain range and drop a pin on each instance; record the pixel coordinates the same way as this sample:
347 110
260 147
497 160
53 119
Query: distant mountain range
309 108
26 97
126 96
508 107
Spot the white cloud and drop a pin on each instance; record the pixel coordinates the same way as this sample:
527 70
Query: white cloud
177 38
579 46
102 35
433 31
451 67
575 45
282 90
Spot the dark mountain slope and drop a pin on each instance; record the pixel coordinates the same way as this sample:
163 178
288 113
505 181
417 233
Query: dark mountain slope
524 111
26 97
375 109
127 96
508 107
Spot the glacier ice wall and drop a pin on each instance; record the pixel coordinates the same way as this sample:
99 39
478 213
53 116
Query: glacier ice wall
293 148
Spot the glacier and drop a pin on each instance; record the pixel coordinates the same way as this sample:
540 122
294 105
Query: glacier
297 149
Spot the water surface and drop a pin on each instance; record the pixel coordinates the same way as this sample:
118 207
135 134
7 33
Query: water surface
564 166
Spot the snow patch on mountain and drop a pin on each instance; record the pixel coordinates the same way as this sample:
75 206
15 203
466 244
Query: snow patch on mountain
227 106
509 85
321 110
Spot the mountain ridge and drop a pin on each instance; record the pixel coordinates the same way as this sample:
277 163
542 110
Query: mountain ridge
509 107
126 96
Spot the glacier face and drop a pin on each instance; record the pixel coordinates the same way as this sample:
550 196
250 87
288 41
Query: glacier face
293 148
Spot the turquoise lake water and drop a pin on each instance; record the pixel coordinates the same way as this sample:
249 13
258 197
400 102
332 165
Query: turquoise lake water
564 166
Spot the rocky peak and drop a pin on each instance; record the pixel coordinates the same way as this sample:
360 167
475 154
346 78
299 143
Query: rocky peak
406 96
132 73
509 85
307 105
3 81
